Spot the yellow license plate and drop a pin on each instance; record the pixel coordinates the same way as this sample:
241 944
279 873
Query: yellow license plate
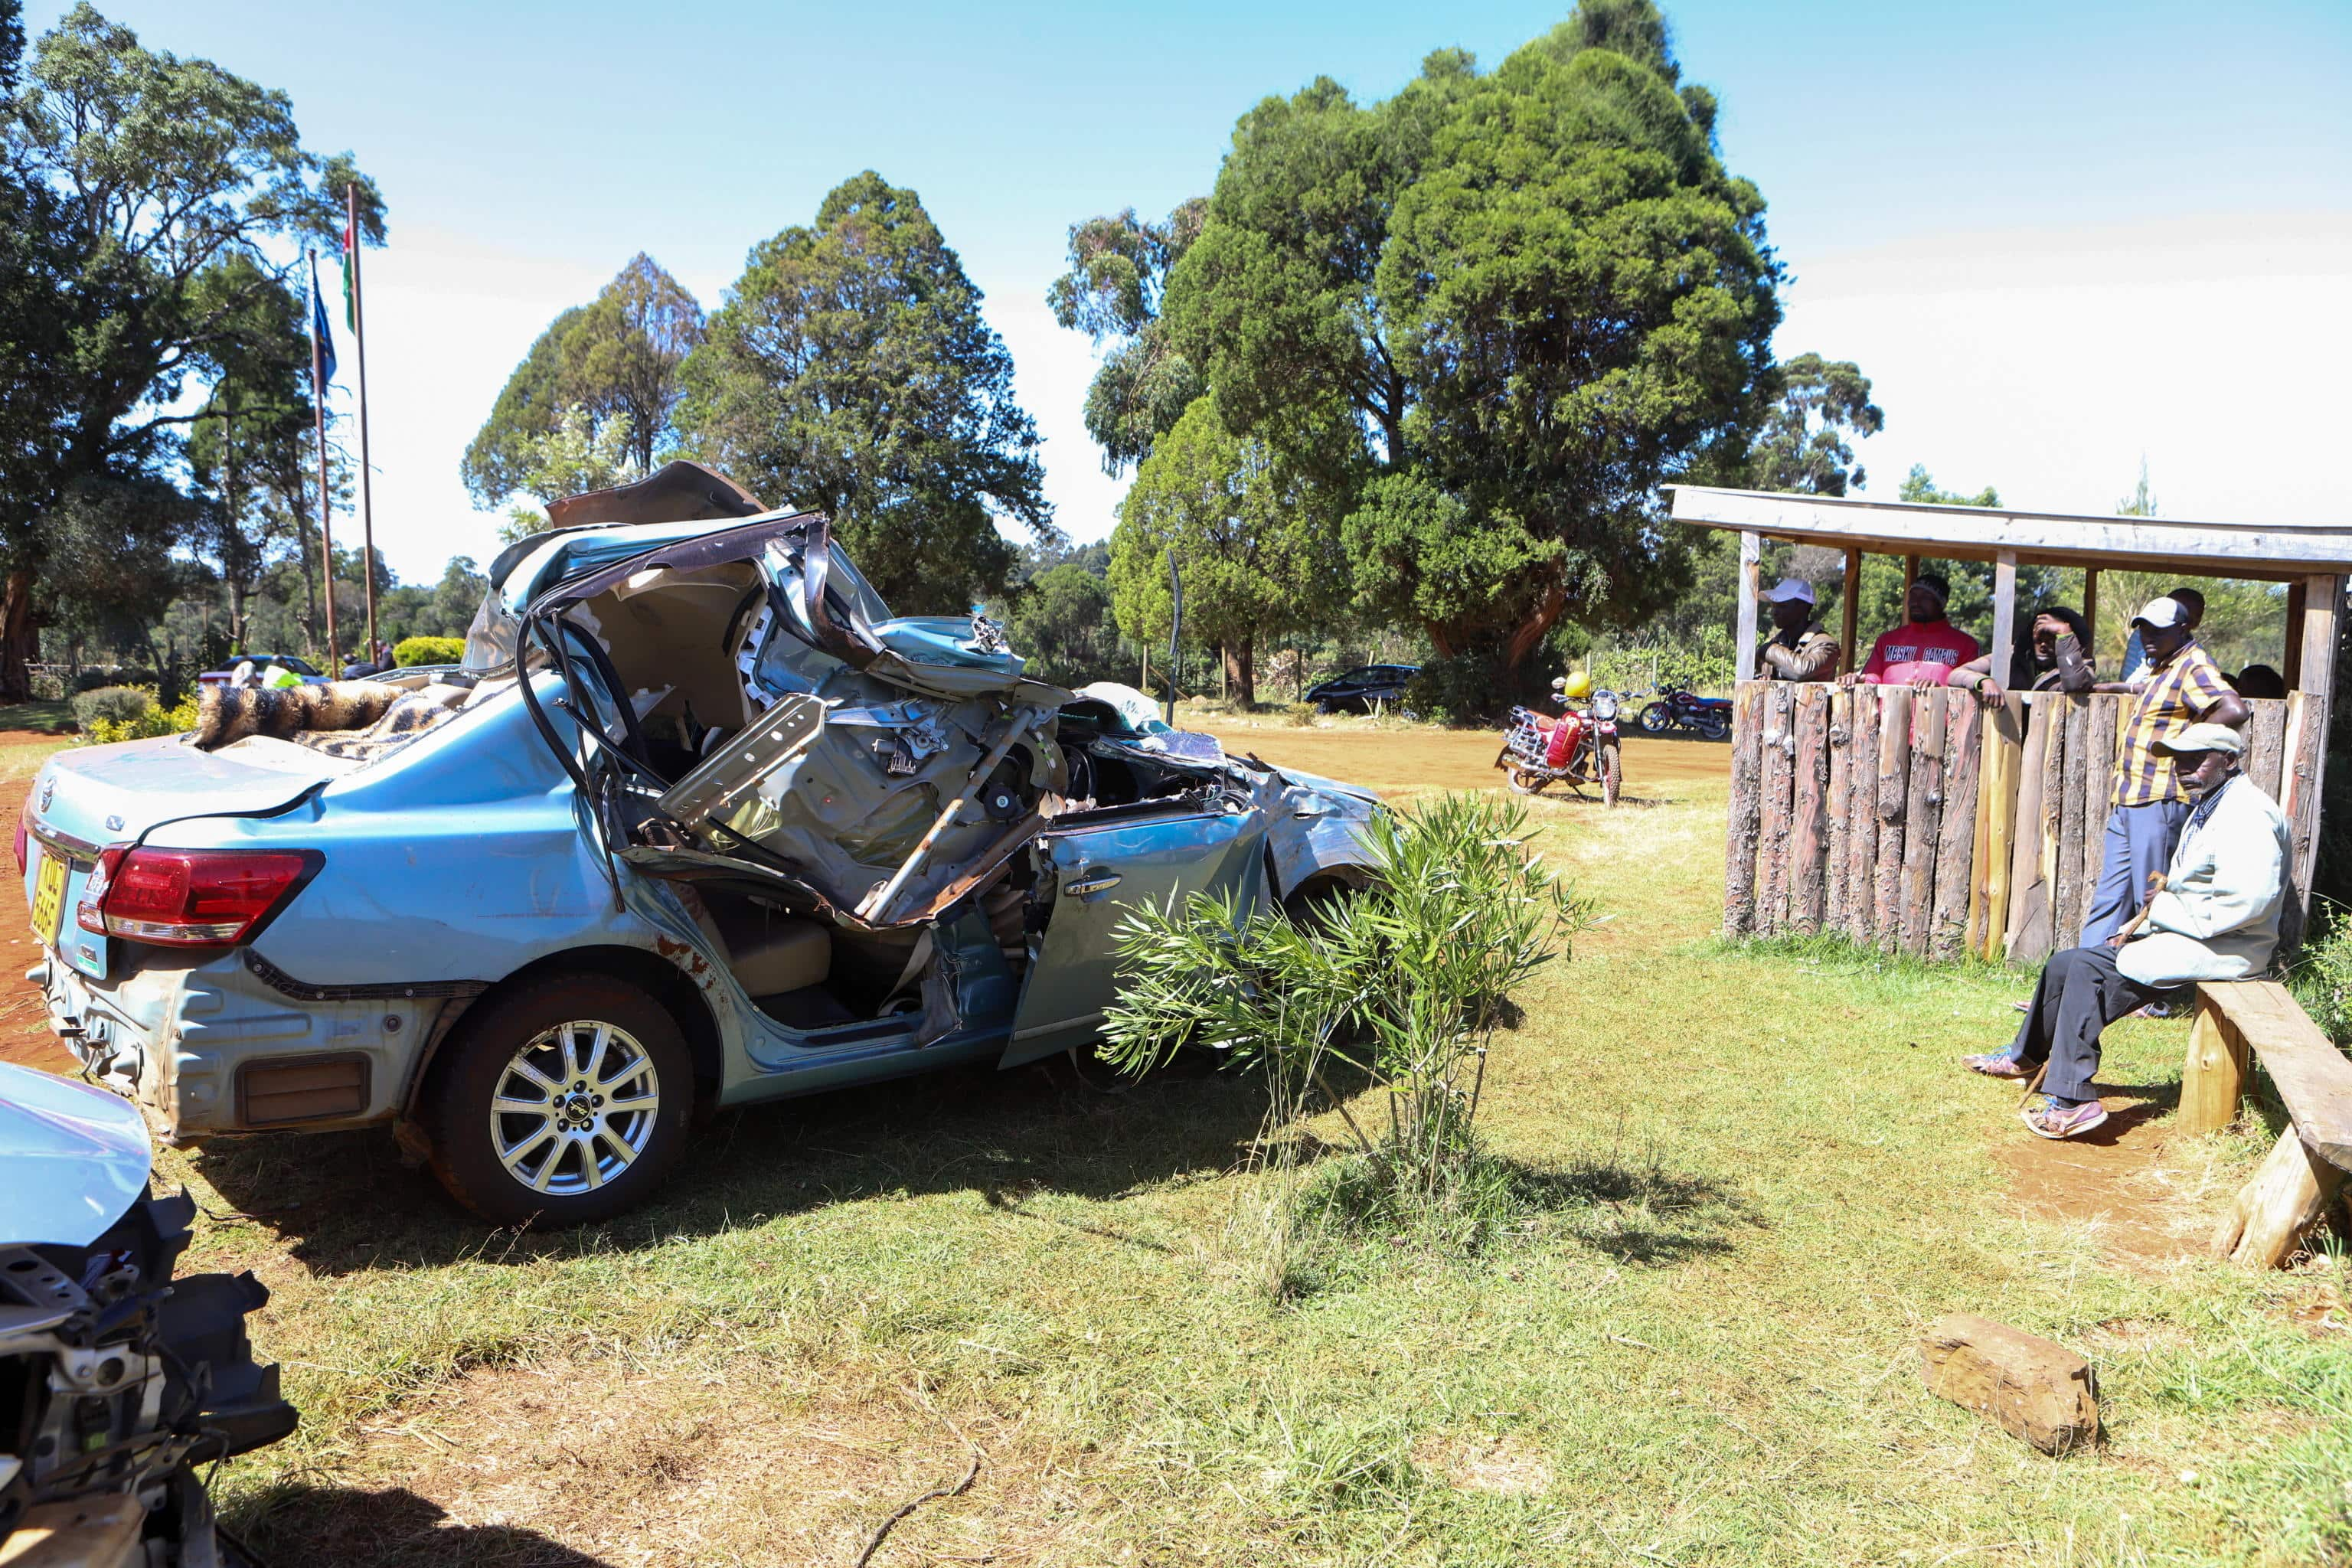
48 898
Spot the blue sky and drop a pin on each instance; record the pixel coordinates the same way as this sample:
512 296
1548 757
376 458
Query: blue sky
2059 236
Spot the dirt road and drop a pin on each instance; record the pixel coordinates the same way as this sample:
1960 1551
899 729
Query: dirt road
1392 759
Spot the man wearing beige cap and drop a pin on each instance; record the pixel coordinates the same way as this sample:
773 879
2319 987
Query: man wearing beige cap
2216 917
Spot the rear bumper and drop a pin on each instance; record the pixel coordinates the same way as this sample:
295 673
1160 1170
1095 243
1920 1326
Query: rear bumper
213 1048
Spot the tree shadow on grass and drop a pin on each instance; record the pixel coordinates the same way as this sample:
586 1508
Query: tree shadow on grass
390 1529
1637 1211
342 1203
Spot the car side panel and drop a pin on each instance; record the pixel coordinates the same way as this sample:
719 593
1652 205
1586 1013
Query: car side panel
1101 872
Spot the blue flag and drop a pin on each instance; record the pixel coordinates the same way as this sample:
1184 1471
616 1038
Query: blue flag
322 335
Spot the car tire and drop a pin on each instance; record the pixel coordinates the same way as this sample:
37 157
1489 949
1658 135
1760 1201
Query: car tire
592 1048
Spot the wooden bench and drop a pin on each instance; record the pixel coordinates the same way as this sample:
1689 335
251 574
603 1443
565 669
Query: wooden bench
2237 1021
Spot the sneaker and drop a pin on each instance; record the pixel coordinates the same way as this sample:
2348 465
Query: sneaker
2049 1122
1997 1064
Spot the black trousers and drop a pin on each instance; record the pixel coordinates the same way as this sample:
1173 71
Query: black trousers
2079 994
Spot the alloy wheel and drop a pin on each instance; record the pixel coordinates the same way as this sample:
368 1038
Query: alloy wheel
574 1108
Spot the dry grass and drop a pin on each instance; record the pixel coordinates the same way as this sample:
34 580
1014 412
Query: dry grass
1765 1177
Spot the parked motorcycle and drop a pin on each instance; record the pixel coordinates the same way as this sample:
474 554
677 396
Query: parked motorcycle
1537 756
1677 708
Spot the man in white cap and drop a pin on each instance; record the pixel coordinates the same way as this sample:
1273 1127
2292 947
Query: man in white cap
1798 649
2149 804
2215 917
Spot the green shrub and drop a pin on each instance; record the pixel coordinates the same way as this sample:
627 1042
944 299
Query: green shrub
1404 984
414 651
113 705
2321 977
1300 713
49 685
131 713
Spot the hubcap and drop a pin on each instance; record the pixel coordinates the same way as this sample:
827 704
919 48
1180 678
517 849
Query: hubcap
574 1108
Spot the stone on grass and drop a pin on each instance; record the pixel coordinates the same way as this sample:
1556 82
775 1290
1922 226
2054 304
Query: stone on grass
2040 1391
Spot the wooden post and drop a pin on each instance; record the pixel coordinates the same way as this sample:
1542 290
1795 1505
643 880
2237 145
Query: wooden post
1740 834
1923 817
1998 806
2091 613
1846 613
2288 1194
1774 850
2004 614
1910 576
1956 840
1894 802
2098 790
2303 772
2314 658
2291 666
2214 1077
1744 653
1807 836
1840 791
1861 817
2066 910
2266 745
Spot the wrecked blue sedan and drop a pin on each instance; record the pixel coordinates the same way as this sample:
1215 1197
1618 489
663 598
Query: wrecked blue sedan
696 823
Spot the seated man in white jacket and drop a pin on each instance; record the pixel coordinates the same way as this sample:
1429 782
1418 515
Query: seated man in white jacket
2217 918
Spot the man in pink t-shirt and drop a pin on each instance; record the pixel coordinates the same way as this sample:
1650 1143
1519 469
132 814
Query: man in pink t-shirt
1924 650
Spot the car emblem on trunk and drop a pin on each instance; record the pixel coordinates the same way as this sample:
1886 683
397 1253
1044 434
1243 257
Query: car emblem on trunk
48 793
114 824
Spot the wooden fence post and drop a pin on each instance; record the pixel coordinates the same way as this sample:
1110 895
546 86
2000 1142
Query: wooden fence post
2305 763
1923 816
2098 791
1996 810
2029 889
2266 746
1841 790
1894 802
1807 832
1861 817
1740 833
1954 867
2066 921
1779 776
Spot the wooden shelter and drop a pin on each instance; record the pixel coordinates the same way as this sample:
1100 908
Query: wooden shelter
1924 823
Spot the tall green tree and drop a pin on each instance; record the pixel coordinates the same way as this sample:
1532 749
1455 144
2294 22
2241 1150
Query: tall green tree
1061 623
141 172
1815 409
851 372
1254 535
616 358
1537 293
1113 291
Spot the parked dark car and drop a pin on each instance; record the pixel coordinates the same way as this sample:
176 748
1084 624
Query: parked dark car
296 664
1363 689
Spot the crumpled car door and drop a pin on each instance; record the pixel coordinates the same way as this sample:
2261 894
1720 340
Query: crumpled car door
1100 869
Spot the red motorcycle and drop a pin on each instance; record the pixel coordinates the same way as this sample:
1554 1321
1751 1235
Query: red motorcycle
1578 748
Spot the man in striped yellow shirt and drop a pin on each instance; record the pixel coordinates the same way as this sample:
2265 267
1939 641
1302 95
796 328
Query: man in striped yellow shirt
2184 687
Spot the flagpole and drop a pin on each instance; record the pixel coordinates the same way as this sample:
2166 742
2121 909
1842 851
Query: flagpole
326 506
359 348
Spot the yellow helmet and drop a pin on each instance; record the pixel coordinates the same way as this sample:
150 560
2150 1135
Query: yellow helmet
1577 685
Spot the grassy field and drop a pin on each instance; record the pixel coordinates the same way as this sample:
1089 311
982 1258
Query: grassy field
1762 1173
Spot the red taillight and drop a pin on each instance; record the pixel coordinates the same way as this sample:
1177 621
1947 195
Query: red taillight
187 898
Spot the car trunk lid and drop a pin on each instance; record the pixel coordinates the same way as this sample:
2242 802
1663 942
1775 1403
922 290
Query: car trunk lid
86 800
